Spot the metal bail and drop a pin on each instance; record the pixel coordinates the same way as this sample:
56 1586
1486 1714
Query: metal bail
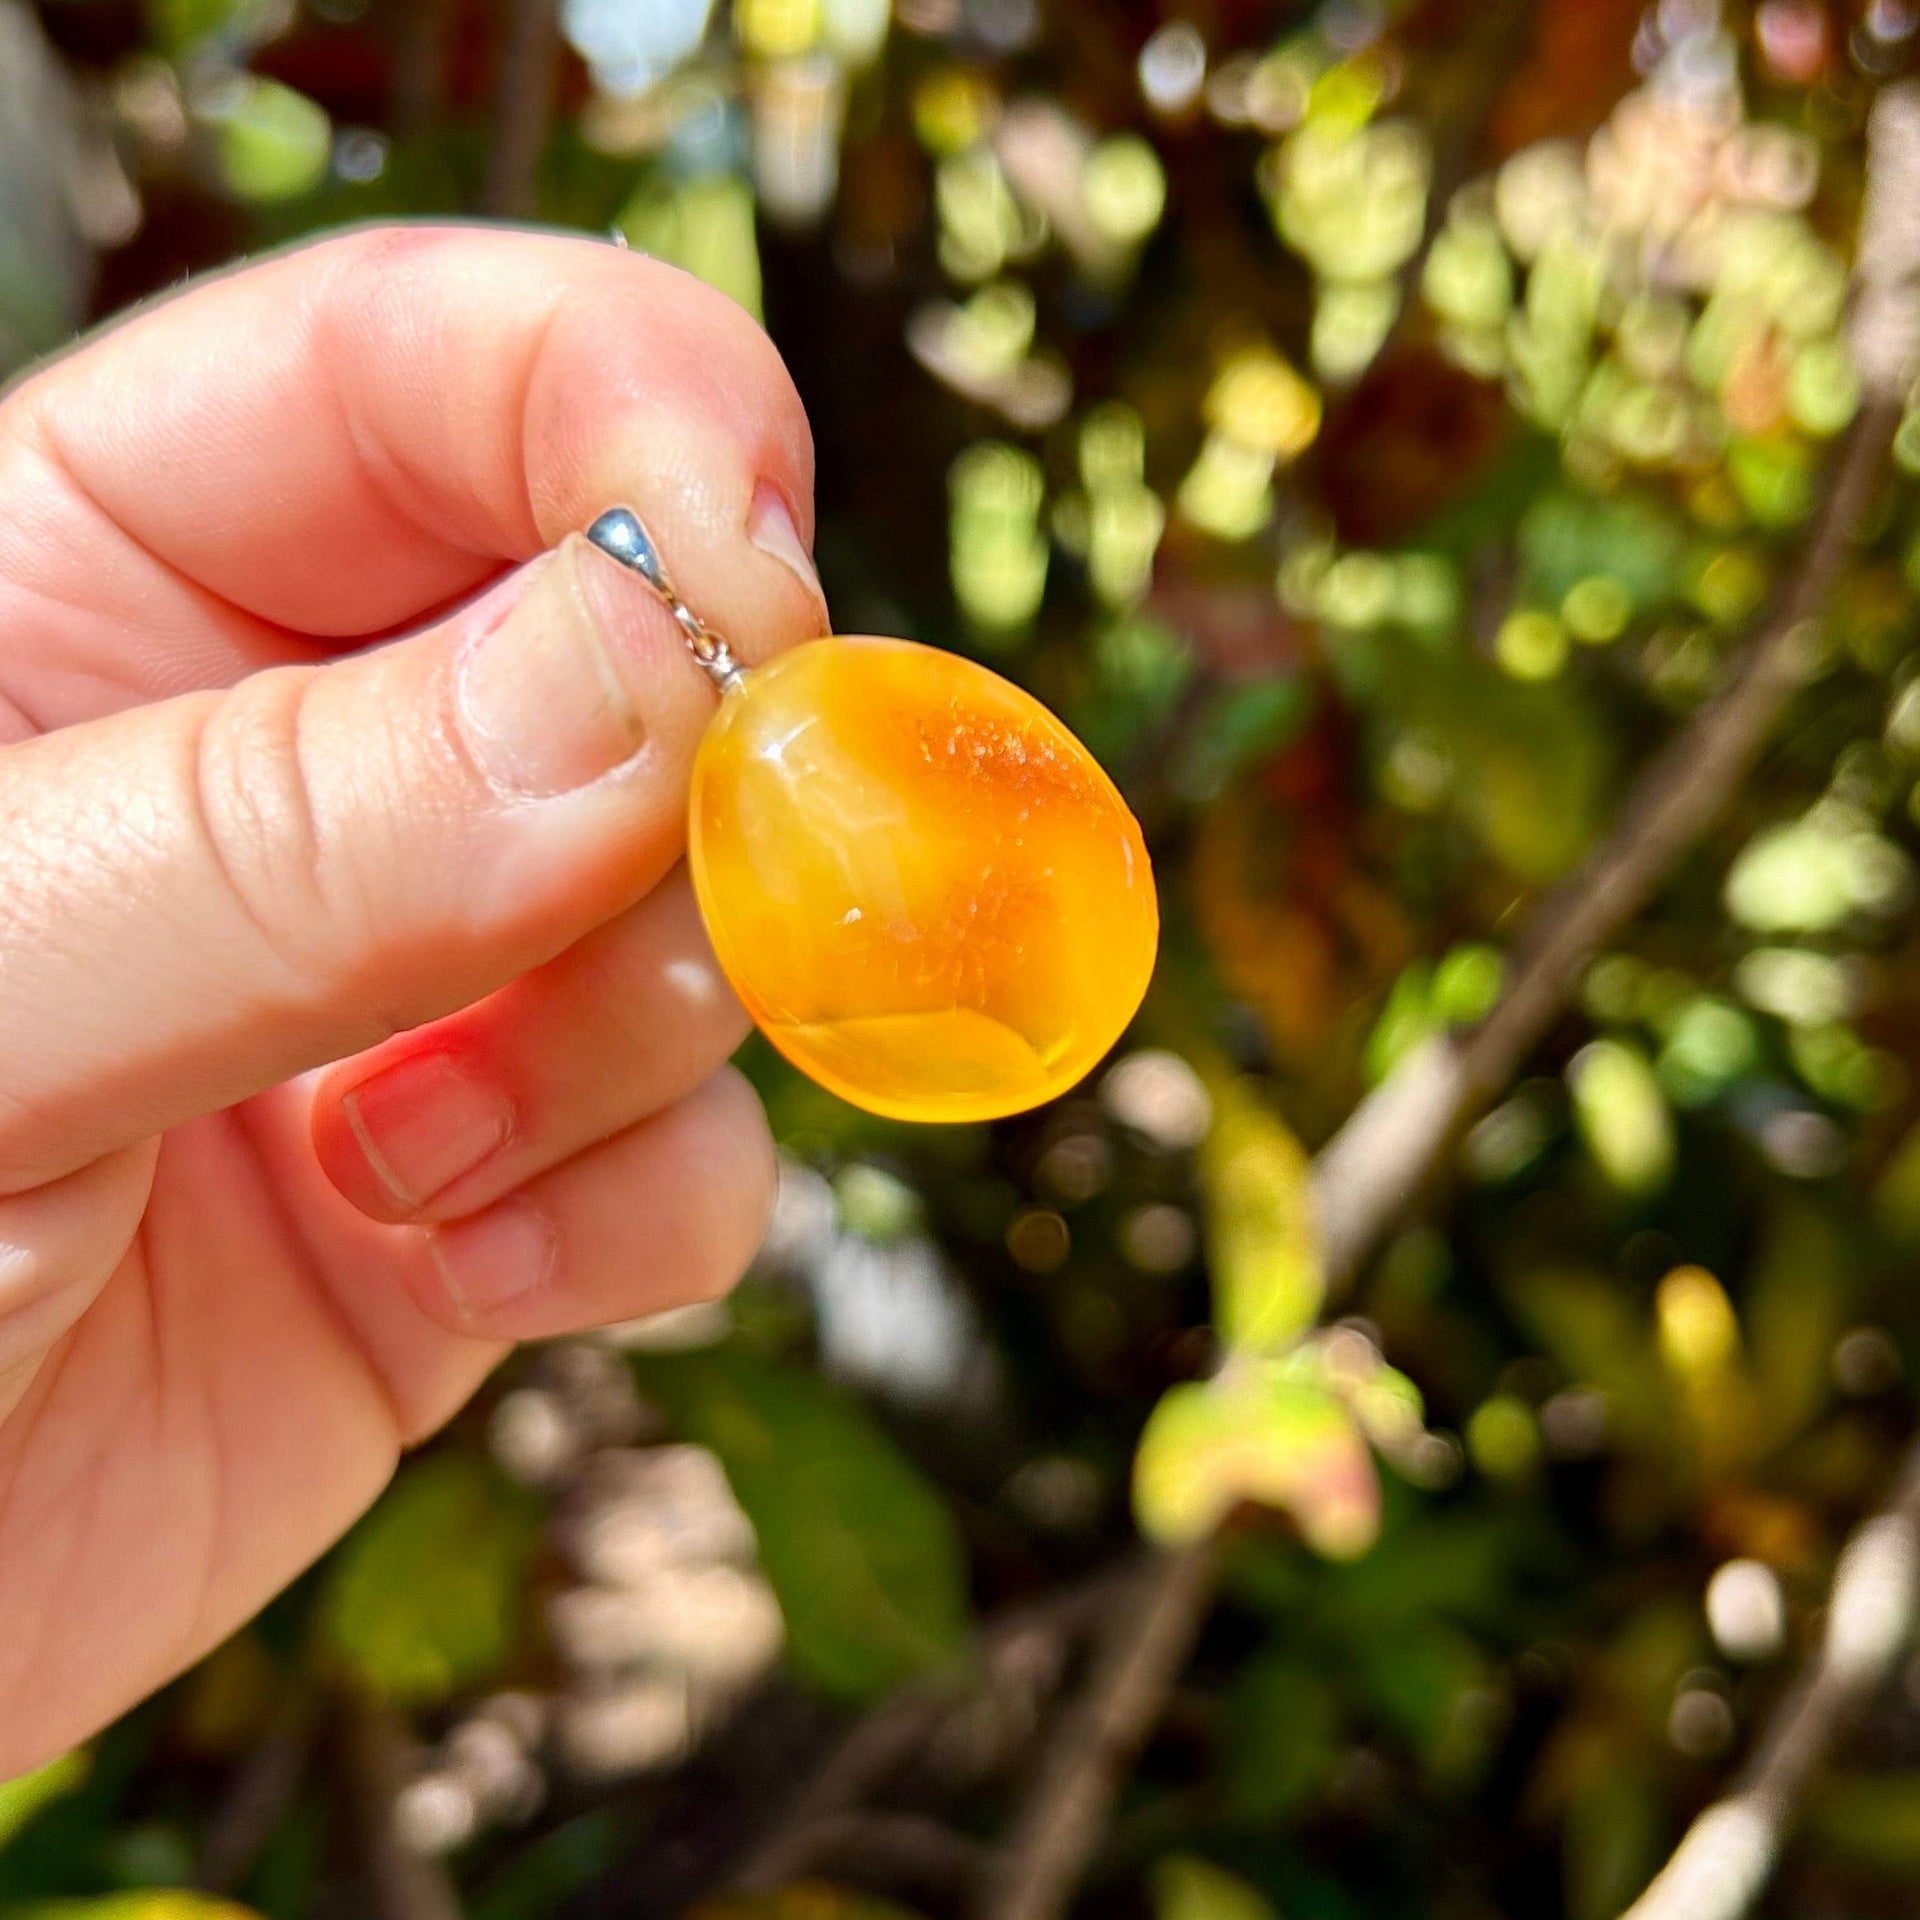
620 536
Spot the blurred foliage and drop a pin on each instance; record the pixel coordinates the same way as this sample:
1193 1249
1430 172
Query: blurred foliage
424 1596
1373 424
860 1550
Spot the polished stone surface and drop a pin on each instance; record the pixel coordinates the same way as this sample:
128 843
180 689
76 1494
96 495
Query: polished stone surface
924 888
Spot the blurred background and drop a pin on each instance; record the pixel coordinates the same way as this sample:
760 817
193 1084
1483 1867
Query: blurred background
1377 426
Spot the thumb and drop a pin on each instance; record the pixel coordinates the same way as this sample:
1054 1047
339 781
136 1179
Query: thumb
201 897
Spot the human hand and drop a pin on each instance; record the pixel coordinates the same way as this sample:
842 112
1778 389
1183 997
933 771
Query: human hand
237 842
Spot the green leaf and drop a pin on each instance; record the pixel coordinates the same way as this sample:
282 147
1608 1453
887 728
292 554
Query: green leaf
178 24
1872 1818
1529 762
1417 1680
1407 1019
1599 1338
1186 1888
1797 1306
538 1879
1262 1244
1896 1193
154 1903
424 1596
704 226
1239 725
21 1799
274 144
1256 1432
1622 1115
1611 1841
861 1551
1280 1737
1566 538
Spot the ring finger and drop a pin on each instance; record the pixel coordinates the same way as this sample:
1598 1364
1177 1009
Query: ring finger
447 1118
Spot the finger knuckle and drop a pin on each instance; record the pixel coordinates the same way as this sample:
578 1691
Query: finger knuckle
258 815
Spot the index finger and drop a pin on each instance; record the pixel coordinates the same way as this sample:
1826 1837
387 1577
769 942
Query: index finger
335 441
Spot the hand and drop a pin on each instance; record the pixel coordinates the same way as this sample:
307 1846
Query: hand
237 842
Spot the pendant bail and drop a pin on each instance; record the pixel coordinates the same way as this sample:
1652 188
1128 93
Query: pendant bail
619 534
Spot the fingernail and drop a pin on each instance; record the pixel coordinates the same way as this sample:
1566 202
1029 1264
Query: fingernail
542 700
493 1258
770 527
424 1123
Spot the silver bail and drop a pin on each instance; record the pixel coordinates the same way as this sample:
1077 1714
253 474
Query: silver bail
619 534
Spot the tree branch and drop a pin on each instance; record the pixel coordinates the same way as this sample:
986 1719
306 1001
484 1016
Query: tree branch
529 68
378 1753
900 1853
1372 1170
1101 1735
422 46
1025 1652
263 1787
1727 1855
1396 1140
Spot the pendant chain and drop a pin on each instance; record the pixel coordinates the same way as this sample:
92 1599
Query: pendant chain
619 534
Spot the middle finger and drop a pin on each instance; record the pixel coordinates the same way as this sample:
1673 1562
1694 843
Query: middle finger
447 1118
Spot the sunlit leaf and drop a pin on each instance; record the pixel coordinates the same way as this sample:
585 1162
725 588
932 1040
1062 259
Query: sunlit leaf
22 1798
154 1903
1188 1888
1467 982
1808 875
274 143
860 1550
1405 1021
1710 1043
1503 1437
424 1597
1622 1115
703 225
1262 1244
1260 1434
178 24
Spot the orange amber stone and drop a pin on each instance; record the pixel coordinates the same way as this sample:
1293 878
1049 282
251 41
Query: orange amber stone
924 888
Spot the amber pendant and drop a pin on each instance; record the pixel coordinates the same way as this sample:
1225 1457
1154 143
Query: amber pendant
924 889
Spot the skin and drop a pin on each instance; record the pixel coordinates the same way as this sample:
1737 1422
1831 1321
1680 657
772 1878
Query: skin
357 1020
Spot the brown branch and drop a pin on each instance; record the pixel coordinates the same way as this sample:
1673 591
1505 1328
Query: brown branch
529 69
1023 1652
1727 1854
1375 1167
377 1755
257 1798
422 54
900 1853
1372 1170
1726 1857
873 1751
1101 1735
